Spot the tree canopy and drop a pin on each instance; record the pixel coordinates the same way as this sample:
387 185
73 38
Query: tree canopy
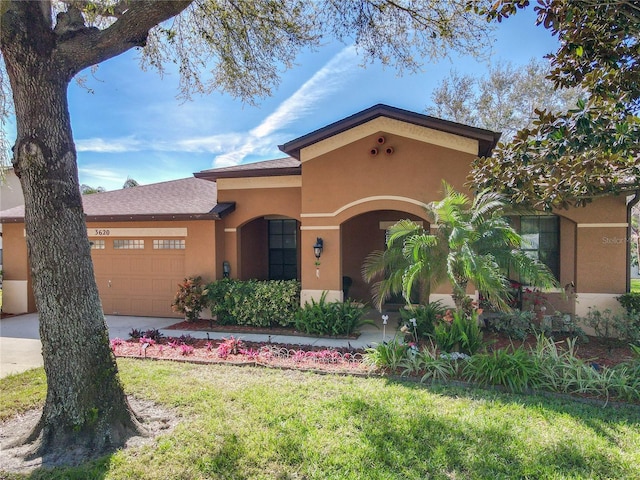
504 100
569 158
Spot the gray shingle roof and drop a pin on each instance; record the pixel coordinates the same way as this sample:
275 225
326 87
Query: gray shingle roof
267 168
187 198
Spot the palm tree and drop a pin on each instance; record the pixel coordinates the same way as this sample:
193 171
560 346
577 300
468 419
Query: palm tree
473 242
392 272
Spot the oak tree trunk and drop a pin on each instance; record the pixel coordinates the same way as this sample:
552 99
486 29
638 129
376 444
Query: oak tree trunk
85 404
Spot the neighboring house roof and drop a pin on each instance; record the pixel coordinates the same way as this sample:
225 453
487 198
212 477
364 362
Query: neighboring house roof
184 199
486 138
268 168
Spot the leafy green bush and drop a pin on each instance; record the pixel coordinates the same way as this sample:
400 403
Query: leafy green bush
253 302
559 370
511 368
428 364
389 355
426 317
624 327
516 324
630 302
458 332
330 318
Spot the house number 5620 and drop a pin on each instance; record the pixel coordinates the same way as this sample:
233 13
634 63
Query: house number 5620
100 232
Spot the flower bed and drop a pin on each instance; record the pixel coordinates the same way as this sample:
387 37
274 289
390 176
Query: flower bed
233 350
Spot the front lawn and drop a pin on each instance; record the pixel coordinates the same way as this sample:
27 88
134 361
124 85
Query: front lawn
635 285
246 422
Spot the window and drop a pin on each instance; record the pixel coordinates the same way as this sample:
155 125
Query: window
128 244
168 244
97 244
283 249
541 235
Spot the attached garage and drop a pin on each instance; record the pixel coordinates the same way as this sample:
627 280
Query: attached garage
139 275
144 241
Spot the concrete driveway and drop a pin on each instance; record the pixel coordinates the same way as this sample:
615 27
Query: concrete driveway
20 347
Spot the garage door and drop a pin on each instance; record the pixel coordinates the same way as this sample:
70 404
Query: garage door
138 276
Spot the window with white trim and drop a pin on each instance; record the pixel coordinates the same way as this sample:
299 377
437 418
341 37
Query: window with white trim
97 245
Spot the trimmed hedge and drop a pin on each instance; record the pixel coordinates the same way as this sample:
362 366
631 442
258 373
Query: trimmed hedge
253 302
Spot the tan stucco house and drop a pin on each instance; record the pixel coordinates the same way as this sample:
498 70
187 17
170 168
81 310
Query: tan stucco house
345 183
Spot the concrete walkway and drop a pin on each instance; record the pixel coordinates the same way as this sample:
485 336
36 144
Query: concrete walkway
20 347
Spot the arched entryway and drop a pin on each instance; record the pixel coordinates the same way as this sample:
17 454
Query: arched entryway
361 235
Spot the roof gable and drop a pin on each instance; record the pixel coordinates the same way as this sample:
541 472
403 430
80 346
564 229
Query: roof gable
486 139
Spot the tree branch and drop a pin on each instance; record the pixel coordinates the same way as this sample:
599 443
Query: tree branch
90 46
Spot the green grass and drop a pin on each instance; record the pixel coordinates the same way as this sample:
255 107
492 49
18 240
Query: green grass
635 285
253 423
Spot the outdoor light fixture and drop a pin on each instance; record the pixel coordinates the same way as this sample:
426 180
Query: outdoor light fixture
317 248
226 269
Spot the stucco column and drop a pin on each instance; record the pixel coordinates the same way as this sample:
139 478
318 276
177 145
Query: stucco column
600 261
327 276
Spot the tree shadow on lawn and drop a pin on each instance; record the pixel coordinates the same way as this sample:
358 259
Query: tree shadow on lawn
449 432
495 446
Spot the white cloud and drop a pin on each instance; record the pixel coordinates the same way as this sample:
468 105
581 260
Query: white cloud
210 144
98 176
232 148
301 103
305 99
112 145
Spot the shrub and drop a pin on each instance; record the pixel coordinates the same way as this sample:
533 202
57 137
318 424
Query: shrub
388 355
624 327
253 302
630 302
458 331
427 364
512 368
330 318
191 298
516 324
559 370
425 315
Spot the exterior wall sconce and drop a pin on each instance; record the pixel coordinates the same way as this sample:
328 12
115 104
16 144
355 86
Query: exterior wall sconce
318 247
226 269
317 251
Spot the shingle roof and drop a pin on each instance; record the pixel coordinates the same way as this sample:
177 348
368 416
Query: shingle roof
268 168
187 198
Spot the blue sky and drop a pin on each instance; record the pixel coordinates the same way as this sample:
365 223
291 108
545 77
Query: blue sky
130 123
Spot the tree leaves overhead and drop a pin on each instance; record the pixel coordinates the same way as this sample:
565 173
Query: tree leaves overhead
242 47
593 149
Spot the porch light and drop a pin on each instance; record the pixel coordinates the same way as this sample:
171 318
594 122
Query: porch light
317 248
226 269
